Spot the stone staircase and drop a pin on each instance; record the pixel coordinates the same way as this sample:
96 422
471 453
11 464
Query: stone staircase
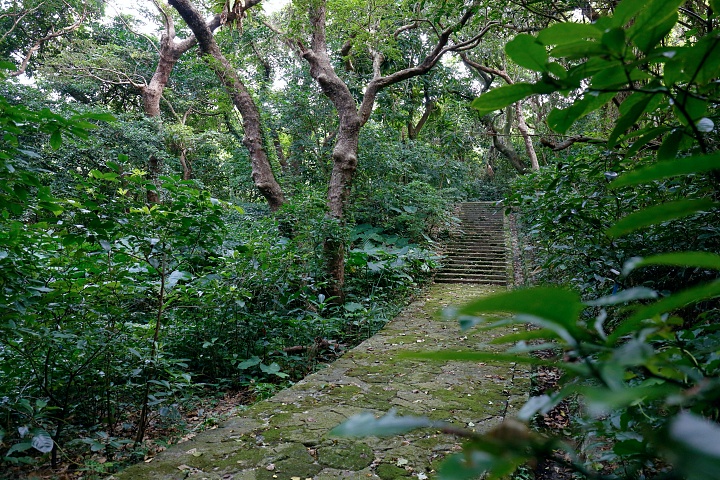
477 253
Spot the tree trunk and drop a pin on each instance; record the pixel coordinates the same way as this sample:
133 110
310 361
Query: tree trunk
352 118
504 148
262 173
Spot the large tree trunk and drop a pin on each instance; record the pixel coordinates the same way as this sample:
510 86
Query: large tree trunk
262 173
506 149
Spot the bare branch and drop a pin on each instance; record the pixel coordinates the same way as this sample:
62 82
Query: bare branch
405 28
557 146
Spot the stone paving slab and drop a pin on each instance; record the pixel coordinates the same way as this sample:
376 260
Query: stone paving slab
286 437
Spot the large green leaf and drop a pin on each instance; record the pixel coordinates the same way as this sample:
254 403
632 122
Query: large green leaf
365 425
679 299
474 356
667 169
660 213
578 49
527 52
640 103
568 32
499 98
559 306
647 38
653 22
561 120
626 10
704 260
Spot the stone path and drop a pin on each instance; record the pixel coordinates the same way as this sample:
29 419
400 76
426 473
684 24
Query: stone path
287 436
478 253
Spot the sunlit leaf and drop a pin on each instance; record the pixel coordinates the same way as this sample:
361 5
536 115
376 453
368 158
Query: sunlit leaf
548 307
568 32
527 52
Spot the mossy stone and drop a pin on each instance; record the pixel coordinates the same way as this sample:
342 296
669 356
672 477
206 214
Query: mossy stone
390 472
292 461
346 455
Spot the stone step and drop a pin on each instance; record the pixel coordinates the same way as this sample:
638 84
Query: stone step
477 253
486 281
500 263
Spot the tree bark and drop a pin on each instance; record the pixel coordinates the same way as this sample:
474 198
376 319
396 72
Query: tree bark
262 173
506 150
522 125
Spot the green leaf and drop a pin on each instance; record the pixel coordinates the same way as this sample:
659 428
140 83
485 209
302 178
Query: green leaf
666 305
558 306
704 260
629 295
578 49
103 117
640 103
653 22
671 145
365 425
693 446
56 139
19 447
614 40
658 214
617 78
667 169
647 38
475 464
273 369
626 10
353 307
561 120
644 137
175 277
499 98
602 399
568 32
250 362
527 52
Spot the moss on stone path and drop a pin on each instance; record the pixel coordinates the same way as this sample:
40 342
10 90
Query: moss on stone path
286 437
